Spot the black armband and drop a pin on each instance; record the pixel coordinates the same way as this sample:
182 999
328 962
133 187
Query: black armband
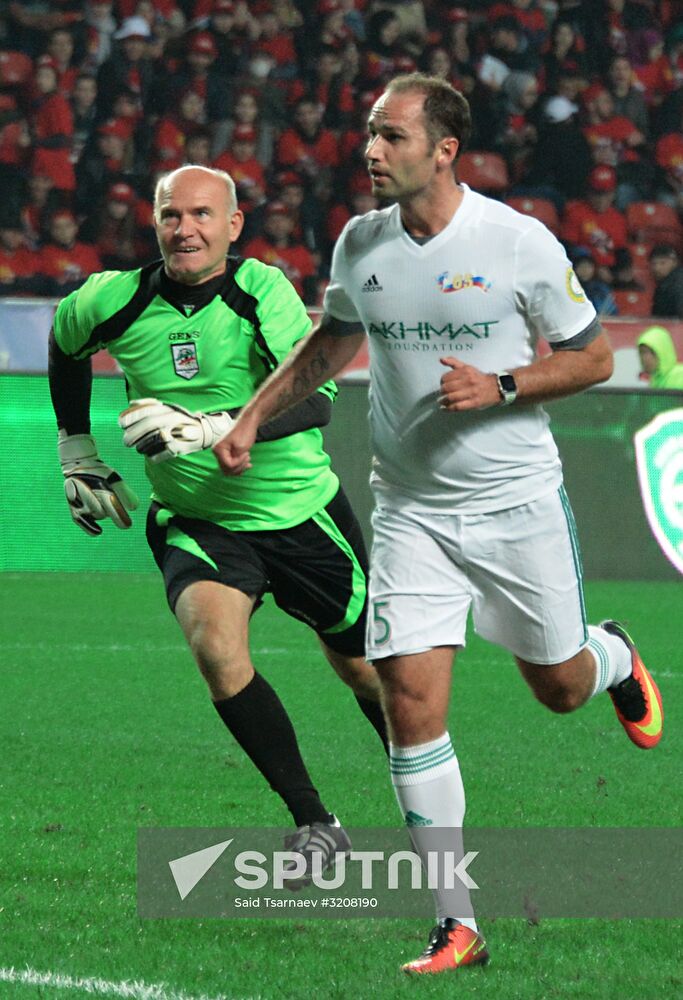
70 389
580 340
312 412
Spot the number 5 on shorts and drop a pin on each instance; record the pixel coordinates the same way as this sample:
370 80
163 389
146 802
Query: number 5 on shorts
380 622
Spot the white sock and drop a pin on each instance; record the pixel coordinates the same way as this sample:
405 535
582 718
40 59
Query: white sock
430 793
612 659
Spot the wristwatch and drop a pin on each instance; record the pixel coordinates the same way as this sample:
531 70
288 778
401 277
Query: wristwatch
507 387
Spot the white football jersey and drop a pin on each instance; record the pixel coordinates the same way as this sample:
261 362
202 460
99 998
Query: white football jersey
483 290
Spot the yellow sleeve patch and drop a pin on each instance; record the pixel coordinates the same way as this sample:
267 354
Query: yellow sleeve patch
574 289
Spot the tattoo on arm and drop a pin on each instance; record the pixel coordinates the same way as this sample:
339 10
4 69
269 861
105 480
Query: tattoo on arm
305 381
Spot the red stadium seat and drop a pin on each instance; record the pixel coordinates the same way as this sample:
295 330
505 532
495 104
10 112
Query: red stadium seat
15 68
483 171
540 208
633 303
653 222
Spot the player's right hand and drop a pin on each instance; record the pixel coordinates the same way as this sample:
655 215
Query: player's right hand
233 451
93 490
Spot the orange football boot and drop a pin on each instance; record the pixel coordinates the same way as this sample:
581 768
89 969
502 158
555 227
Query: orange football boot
451 945
637 700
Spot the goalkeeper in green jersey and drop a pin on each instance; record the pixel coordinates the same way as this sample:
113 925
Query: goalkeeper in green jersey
195 334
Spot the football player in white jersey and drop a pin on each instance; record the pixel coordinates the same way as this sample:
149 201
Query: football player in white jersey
453 289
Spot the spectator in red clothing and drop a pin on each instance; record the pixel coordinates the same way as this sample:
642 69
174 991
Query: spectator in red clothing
52 127
173 130
653 70
60 47
595 223
17 262
114 231
307 147
15 143
359 200
240 161
246 111
669 158
276 247
64 259
276 41
616 142
353 139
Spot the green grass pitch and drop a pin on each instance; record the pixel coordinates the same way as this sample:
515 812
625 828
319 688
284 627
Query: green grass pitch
105 726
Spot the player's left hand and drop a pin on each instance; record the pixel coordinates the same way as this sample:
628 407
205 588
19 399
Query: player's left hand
93 490
164 430
464 387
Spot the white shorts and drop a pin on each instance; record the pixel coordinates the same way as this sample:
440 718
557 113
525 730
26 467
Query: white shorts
518 569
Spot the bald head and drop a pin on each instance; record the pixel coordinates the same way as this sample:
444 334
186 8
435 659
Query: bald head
192 175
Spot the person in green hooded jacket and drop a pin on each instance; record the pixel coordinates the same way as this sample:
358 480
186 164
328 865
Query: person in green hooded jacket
658 359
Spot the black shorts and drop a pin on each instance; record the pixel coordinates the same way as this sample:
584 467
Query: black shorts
316 572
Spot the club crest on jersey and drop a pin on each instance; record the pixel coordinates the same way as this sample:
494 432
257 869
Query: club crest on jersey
185 361
459 282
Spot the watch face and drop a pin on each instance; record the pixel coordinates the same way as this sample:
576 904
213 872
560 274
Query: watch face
507 383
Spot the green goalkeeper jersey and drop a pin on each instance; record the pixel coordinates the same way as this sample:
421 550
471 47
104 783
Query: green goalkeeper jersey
208 354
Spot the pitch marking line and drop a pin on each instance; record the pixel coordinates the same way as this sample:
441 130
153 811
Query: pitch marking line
99 987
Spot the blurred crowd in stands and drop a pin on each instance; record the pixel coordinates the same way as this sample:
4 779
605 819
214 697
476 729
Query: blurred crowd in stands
577 107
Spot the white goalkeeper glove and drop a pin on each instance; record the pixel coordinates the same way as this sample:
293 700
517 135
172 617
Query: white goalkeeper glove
93 490
163 430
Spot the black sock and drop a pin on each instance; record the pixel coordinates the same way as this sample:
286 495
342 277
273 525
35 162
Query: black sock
257 719
372 710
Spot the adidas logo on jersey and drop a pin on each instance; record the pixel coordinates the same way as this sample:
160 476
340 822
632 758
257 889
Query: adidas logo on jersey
372 285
